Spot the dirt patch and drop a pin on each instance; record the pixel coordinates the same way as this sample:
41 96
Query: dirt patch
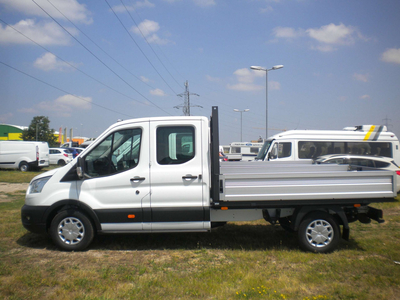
8 188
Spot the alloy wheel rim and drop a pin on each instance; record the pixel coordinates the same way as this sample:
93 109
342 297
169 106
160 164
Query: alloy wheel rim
319 233
71 231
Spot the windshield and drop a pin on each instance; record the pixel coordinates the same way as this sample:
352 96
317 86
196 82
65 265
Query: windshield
264 150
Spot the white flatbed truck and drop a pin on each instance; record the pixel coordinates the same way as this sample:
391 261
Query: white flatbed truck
163 175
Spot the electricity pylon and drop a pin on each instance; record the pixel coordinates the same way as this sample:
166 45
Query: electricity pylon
186 102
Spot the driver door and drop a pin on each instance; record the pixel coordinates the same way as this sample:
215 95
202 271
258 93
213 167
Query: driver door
119 180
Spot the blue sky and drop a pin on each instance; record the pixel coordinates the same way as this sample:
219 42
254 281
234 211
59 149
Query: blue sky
120 59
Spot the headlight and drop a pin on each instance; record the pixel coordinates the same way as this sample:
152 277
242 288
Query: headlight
37 185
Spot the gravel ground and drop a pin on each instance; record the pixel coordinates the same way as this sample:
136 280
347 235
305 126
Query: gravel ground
7 188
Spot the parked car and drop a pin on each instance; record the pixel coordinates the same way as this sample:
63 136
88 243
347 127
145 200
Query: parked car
73 150
379 162
60 156
79 150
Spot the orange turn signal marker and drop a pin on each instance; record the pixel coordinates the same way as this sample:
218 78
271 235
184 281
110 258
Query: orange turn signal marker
357 205
131 216
224 208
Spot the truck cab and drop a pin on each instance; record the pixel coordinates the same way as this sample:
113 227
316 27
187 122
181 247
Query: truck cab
139 175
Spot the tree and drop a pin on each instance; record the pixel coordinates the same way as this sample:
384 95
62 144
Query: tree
39 130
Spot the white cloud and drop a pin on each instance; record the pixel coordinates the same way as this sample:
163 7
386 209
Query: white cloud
245 80
365 97
49 62
144 79
71 8
204 3
324 48
274 85
328 37
212 79
391 56
138 4
333 34
157 92
266 9
244 87
149 28
67 105
287 32
201 3
361 77
43 33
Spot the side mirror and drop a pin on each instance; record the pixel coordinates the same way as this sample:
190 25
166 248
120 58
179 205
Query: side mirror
80 168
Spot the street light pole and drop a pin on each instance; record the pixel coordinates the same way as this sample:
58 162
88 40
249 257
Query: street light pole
241 120
257 68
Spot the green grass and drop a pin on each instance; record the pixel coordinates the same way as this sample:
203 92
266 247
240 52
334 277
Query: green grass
246 260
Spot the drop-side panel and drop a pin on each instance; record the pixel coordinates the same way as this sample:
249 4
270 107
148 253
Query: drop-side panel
293 184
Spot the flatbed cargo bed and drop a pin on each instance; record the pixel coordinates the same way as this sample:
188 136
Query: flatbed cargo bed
263 181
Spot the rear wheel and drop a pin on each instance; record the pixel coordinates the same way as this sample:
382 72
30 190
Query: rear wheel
71 230
23 166
319 232
61 162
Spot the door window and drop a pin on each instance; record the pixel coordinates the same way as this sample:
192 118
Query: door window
281 150
175 145
117 153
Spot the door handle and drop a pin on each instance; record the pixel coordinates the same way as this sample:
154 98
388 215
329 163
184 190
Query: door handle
189 177
137 179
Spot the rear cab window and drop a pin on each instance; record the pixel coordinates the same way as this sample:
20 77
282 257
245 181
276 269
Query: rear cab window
175 145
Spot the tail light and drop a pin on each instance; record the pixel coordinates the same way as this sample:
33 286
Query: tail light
37 153
398 173
66 155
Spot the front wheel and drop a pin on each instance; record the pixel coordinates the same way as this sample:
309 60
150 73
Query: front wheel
71 230
319 232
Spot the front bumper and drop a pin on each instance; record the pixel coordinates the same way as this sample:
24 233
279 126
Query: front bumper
32 218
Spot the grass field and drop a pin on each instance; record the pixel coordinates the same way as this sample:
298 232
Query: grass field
247 260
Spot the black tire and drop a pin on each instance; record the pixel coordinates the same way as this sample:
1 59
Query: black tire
319 232
61 162
23 166
71 230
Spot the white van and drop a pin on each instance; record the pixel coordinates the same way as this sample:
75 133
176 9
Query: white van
246 151
309 144
23 155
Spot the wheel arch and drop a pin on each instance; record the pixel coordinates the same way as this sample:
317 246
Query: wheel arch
66 204
338 214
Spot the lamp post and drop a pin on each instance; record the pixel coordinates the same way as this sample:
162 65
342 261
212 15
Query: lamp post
241 120
257 68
